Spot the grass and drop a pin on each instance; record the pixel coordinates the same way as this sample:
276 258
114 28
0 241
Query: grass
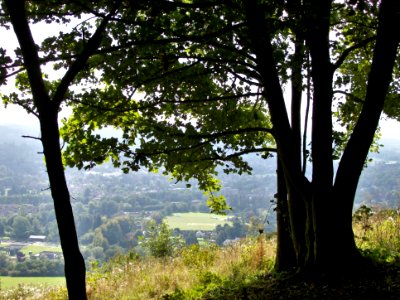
36 248
243 270
196 221
191 268
9 282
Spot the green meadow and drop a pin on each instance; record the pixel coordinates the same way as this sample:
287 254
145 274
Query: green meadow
35 249
196 221
9 282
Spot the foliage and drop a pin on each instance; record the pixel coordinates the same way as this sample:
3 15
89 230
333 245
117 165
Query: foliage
198 258
362 216
38 267
22 228
158 240
189 275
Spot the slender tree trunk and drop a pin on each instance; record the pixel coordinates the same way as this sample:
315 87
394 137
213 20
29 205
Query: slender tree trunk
75 270
321 218
355 154
47 112
297 204
288 151
285 252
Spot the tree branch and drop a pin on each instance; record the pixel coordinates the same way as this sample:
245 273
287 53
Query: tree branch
347 52
218 134
355 99
91 46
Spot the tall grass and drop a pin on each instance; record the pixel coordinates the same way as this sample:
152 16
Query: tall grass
191 267
192 272
378 233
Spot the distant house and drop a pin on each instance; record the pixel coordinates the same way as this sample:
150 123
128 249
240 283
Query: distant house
37 238
200 234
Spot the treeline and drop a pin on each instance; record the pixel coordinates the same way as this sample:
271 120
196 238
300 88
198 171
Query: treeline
31 267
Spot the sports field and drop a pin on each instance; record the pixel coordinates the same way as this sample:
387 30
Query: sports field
196 221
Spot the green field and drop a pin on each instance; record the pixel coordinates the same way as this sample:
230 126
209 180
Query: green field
34 248
196 221
9 282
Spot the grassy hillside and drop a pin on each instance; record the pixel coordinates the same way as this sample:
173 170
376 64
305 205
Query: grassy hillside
242 271
196 221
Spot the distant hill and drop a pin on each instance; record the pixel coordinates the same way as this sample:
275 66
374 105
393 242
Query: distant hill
20 162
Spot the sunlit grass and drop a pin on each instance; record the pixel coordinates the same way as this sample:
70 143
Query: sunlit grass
152 278
378 234
9 281
196 221
35 249
196 270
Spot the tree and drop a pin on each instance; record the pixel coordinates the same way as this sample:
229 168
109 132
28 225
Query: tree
21 228
99 240
2 226
191 239
5 262
158 240
44 99
213 75
112 232
108 208
84 224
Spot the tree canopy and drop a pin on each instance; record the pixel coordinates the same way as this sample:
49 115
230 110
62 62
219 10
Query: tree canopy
195 85
205 84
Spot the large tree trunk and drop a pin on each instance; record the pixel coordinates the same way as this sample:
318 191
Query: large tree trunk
323 223
334 246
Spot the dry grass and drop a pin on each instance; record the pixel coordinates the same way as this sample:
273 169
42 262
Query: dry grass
152 278
132 278
379 234
143 279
